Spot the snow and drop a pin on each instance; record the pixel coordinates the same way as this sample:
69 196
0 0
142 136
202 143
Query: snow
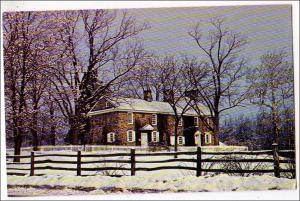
155 181
140 105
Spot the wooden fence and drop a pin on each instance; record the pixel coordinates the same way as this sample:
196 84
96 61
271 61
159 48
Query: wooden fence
133 156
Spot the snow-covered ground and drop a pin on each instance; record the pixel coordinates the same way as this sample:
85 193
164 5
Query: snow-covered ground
67 183
154 182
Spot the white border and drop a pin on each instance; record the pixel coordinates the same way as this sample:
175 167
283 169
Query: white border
62 5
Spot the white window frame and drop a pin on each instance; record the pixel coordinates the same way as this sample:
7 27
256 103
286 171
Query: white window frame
154 119
208 121
197 122
132 136
130 121
111 137
155 136
182 140
207 138
180 123
107 104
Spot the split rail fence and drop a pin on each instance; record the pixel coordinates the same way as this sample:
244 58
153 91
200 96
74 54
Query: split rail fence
289 157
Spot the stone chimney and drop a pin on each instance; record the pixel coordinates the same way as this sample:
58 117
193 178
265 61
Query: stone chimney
168 95
147 95
191 94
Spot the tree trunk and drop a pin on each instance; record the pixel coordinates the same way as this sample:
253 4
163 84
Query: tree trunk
52 128
275 125
52 135
34 133
216 121
17 143
176 134
35 139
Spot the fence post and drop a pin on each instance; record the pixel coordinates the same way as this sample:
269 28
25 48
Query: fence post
78 163
132 157
32 164
276 160
198 173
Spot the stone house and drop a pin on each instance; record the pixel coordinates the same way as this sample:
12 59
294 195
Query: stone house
143 122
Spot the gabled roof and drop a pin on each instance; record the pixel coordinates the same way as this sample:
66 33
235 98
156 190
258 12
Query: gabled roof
143 106
147 127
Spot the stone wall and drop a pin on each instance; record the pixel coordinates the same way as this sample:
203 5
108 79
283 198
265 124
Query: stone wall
117 122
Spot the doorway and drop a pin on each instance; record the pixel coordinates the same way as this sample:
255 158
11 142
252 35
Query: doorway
144 139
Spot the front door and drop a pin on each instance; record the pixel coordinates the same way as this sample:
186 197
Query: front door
144 139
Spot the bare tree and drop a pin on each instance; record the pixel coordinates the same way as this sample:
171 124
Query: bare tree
174 87
271 86
24 48
82 74
145 77
222 88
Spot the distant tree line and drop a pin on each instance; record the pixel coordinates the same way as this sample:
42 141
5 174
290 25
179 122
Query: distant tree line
256 132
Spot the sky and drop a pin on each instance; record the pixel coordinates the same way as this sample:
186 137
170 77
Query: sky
266 28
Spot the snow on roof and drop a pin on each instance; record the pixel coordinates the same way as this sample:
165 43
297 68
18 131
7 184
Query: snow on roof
140 105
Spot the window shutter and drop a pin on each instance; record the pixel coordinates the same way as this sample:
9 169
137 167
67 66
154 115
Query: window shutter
128 136
172 140
157 136
114 137
133 136
108 137
183 140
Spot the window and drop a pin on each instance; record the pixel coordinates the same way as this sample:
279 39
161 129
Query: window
196 121
180 122
111 137
207 138
131 136
155 136
106 104
208 121
180 140
154 119
130 117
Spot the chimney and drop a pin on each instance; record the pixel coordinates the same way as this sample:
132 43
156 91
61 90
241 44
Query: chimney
191 94
168 95
148 95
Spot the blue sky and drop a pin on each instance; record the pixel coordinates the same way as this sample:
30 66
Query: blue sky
266 28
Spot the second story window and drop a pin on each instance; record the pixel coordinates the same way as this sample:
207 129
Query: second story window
208 121
196 121
180 122
130 117
154 119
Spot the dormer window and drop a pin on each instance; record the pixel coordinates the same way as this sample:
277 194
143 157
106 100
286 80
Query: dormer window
154 119
107 104
130 117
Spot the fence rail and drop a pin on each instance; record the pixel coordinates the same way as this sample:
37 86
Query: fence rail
34 159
